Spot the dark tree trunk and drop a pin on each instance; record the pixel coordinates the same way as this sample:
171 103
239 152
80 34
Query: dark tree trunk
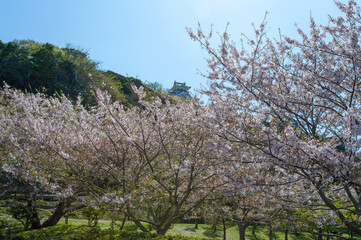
214 227
320 234
254 231
270 234
57 215
161 231
196 226
224 229
34 219
136 222
286 235
123 222
242 230
140 226
339 214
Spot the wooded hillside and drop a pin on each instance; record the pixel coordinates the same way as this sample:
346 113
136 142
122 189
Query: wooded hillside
33 66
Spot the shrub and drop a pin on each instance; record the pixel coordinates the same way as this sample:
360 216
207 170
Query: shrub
60 232
21 212
92 215
8 227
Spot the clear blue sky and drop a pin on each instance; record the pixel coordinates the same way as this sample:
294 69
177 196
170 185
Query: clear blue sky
147 38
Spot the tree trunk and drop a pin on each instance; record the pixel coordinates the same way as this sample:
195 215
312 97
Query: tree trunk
66 218
34 219
140 225
242 230
57 215
161 231
286 235
196 226
320 234
339 214
136 222
123 222
214 227
224 229
270 234
254 231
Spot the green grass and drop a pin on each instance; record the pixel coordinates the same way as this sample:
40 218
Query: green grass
104 224
71 232
203 231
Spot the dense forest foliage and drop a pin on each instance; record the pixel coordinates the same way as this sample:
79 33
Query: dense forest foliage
33 66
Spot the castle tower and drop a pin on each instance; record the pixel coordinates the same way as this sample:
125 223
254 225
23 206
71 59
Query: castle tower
180 89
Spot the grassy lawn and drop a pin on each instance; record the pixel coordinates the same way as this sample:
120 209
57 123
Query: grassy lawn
205 230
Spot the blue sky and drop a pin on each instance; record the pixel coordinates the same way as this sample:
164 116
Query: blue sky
147 38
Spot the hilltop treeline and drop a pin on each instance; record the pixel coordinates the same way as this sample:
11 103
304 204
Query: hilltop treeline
32 66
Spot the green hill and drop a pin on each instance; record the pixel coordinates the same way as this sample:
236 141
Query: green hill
33 66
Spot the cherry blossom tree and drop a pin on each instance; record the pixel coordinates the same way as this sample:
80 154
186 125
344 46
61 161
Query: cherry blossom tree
251 190
250 195
296 103
161 156
42 148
